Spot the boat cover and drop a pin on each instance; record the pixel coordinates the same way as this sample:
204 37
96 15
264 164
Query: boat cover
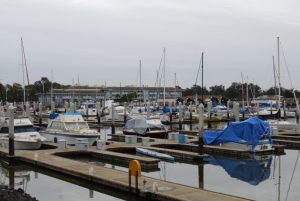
249 132
251 171
141 124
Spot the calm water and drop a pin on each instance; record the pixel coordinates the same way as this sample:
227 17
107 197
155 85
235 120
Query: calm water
256 179
49 186
271 178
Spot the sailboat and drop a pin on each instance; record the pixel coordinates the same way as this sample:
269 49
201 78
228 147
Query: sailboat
277 123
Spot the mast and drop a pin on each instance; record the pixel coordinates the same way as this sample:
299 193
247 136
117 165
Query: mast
247 93
279 84
23 71
164 65
140 67
202 78
24 64
274 72
175 86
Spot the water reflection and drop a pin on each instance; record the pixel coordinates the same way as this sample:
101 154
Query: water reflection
252 171
51 185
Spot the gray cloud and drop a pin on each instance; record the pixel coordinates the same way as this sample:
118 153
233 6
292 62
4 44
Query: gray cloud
104 40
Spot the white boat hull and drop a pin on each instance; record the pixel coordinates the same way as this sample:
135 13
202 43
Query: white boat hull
70 138
246 147
22 145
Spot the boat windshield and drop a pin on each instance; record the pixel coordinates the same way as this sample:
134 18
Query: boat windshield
83 125
76 125
18 129
91 106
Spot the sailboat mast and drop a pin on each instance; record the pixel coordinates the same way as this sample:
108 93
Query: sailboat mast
274 72
279 84
140 68
175 86
164 65
247 93
23 71
202 77
242 90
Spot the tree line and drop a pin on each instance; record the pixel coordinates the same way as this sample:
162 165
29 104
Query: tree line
236 91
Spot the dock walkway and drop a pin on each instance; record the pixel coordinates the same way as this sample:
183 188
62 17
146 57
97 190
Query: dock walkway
115 178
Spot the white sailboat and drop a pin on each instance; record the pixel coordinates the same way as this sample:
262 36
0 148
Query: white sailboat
276 123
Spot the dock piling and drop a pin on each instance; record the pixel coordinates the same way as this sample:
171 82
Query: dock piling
11 145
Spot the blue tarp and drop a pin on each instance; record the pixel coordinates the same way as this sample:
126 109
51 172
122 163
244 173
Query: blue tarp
167 109
251 171
249 132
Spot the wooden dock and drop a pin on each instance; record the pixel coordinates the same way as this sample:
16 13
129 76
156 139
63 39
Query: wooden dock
48 159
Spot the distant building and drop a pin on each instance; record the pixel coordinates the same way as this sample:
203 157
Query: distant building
83 93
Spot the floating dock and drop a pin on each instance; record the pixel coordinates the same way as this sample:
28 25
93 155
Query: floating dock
52 159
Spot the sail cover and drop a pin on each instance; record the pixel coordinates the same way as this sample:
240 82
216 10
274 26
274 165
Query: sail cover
250 131
140 124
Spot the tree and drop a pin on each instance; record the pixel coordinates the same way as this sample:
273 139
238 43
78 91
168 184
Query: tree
217 90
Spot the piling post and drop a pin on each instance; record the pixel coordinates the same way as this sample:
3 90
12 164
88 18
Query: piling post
52 106
180 116
72 109
236 109
129 180
148 109
11 174
136 182
228 105
200 132
201 175
125 111
191 111
87 112
11 144
284 112
66 106
209 104
113 130
27 113
34 108
40 114
98 107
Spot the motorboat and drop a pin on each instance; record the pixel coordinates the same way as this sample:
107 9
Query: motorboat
142 126
88 108
26 136
69 126
252 134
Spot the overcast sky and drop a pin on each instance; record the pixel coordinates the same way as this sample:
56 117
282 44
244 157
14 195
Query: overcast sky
103 40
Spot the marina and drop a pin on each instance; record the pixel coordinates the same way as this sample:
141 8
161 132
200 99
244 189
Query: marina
149 100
